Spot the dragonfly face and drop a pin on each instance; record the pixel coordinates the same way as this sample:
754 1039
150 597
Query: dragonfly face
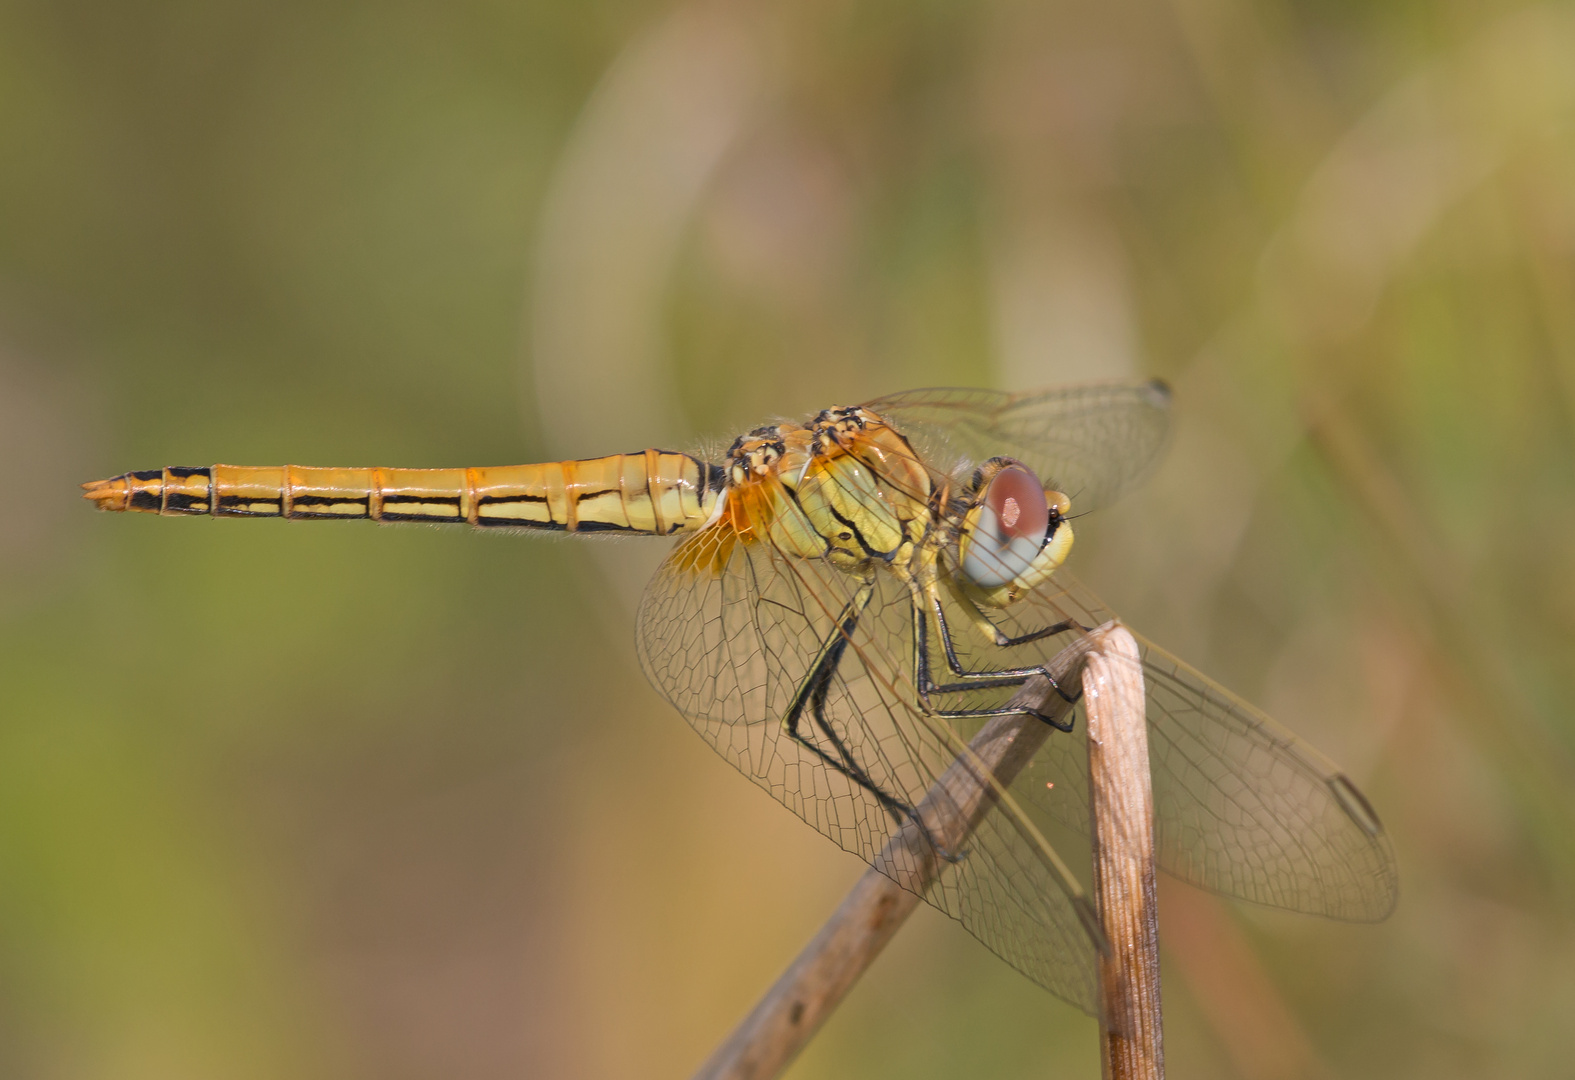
803 625
1013 536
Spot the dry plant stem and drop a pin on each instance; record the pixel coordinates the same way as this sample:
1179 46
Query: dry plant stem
772 1035
1122 806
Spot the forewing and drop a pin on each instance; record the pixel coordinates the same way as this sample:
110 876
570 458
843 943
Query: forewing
1091 442
730 645
1242 806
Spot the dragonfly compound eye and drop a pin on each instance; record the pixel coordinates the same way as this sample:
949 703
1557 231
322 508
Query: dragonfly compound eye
1007 528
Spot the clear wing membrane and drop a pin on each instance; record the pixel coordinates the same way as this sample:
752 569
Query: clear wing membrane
729 631
730 650
1241 806
1092 442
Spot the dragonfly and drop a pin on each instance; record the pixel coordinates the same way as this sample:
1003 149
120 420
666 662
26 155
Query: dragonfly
852 596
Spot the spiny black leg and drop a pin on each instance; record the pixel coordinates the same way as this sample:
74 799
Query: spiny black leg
1034 635
1005 642
813 693
819 687
977 680
980 680
850 768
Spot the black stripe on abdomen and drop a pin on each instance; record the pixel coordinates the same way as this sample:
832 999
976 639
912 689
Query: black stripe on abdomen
420 508
249 506
523 523
176 502
327 507
500 500
517 521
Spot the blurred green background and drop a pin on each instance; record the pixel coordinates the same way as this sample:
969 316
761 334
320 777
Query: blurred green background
351 802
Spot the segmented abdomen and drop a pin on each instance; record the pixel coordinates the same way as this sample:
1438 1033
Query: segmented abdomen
656 491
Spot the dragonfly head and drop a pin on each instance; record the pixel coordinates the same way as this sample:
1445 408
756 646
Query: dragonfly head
1014 533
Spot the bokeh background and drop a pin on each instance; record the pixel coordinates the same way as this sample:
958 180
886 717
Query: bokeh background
355 802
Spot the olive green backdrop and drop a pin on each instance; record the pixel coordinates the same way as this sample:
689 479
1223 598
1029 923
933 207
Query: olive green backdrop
350 802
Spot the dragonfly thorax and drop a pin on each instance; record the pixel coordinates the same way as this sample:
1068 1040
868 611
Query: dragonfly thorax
846 487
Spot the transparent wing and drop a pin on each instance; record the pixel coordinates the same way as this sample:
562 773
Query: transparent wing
1092 442
729 631
1242 806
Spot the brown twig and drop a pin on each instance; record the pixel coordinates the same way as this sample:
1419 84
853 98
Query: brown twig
772 1035
1122 807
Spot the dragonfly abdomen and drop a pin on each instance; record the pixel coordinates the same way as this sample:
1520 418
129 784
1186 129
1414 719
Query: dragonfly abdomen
653 492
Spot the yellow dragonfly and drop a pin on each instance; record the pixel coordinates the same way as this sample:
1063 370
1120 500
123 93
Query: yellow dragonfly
853 596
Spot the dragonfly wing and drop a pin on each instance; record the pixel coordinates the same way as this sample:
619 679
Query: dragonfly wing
1249 810
1092 442
728 631
1242 806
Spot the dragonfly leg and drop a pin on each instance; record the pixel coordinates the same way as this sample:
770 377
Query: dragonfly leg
991 632
811 696
1005 642
977 680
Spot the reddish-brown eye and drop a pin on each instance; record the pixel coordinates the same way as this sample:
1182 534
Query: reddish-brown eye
1007 529
1019 504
